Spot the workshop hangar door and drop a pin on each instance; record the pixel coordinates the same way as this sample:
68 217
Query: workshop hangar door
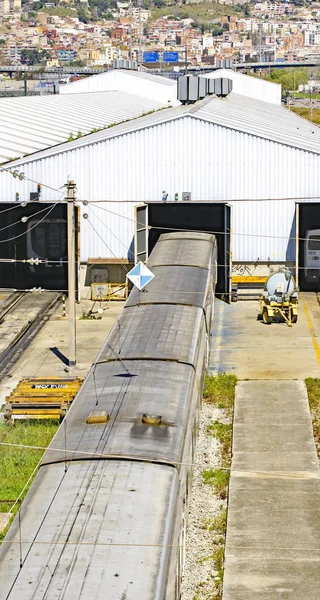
154 218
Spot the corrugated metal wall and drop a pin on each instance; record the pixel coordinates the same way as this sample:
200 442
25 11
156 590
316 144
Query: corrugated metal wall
212 162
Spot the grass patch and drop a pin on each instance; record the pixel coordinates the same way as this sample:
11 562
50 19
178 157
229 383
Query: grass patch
17 464
218 524
218 561
200 12
220 391
223 432
307 113
313 389
219 478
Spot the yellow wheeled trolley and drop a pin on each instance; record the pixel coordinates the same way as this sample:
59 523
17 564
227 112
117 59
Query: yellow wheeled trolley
279 299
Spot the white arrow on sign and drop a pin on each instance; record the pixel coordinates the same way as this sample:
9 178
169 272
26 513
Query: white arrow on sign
140 275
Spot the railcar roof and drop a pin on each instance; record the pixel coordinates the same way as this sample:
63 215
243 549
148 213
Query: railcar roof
155 387
182 249
169 286
100 530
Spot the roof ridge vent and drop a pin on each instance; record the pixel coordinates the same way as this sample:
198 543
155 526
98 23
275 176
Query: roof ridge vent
221 86
121 63
191 88
226 63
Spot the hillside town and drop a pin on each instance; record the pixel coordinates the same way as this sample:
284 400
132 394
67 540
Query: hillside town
70 34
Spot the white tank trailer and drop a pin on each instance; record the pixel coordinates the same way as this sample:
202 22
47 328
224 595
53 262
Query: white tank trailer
279 299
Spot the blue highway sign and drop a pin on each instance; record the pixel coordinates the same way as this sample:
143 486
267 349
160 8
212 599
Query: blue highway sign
170 57
151 57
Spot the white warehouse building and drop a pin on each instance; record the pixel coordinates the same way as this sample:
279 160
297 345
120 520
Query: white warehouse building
255 155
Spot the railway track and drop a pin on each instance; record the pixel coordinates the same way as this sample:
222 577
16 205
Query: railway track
22 315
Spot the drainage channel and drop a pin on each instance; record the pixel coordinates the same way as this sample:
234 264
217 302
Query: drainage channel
20 321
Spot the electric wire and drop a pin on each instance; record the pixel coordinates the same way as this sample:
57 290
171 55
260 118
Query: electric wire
27 217
23 176
105 243
100 455
31 228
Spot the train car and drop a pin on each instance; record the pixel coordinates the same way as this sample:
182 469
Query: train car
106 514
312 256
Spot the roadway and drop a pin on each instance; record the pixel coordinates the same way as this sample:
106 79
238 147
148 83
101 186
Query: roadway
69 70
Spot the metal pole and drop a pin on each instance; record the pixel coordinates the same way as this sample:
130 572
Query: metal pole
260 42
186 60
71 272
140 47
130 49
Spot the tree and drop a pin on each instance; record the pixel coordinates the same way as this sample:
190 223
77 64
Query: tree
83 15
290 79
32 56
226 26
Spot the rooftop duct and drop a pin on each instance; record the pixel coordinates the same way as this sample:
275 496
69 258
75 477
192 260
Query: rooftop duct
121 63
192 88
222 86
224 64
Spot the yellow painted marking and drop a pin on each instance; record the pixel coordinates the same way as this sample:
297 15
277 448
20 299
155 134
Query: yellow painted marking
249 279
312 332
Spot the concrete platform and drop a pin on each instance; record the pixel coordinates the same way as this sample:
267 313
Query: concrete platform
273 532
47 355
251 350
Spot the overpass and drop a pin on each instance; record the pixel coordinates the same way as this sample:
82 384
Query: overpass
69 70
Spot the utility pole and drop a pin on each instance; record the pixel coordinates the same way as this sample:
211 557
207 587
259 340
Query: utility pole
139 2
71 271
260 43
130 29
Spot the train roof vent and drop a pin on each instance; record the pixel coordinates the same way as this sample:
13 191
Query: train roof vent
97 417
151 419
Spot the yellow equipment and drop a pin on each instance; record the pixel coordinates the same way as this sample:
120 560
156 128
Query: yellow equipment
279 299
41 398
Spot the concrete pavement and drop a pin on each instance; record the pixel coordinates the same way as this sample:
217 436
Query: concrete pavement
273 532
48 353
251 350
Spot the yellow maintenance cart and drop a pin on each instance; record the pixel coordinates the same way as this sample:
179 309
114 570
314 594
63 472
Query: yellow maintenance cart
279 299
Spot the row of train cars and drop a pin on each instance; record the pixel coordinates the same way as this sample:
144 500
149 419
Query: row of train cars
105 518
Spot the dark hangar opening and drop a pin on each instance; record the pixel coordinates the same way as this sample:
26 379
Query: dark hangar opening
155 218
35 230
308 246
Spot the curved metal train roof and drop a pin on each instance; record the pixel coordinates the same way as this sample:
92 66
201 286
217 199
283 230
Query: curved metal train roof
153 387
97 531
189 252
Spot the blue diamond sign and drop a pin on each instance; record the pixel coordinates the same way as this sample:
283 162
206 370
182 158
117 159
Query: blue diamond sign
140 275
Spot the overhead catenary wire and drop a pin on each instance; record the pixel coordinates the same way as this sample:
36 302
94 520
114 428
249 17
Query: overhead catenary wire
30 228
28 218
102 456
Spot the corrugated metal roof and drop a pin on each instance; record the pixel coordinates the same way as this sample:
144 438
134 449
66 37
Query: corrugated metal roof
246 115
151 77
262 119
102 78
139 83
32 123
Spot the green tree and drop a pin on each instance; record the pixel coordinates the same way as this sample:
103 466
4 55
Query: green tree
289 79
83 15
32 56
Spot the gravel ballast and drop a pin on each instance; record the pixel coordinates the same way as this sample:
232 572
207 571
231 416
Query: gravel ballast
200 579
